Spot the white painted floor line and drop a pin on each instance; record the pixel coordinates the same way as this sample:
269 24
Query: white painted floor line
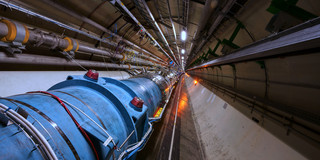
175 120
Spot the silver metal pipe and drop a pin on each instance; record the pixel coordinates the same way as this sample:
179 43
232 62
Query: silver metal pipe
107 52
173 28
56 61
208 9
52 41
26 11
88 49
38 38
3 30
95 24
142 27
158 28
216 23
212 28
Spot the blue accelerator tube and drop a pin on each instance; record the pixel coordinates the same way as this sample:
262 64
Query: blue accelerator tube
84 117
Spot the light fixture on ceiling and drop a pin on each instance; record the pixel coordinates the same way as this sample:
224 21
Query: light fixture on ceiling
182 51
182 58
183 35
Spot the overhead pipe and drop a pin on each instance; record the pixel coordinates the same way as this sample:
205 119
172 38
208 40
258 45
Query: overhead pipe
123 57
173 28
217 22
186 4
213 27
57 61
28 12
95 24
37 38
158 28
207 11
186 12
209 7
141 26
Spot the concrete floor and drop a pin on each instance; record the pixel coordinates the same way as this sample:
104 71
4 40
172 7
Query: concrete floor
209 128
186 144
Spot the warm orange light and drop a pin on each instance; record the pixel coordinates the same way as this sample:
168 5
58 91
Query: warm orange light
187 74
166 90
195 82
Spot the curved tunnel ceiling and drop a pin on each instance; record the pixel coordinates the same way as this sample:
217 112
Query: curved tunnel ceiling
156 25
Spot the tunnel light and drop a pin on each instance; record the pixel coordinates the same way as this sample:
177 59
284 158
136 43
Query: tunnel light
182 57
183 35
182 51
195 82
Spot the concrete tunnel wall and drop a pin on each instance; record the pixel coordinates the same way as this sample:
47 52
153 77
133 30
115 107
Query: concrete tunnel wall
290 80
225 133
285 86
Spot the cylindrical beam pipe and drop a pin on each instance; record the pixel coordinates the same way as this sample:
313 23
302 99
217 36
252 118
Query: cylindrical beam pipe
117 130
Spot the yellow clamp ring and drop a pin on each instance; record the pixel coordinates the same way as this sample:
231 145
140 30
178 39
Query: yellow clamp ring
73 45
123 56
12 31
70 44
77 46
129 66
